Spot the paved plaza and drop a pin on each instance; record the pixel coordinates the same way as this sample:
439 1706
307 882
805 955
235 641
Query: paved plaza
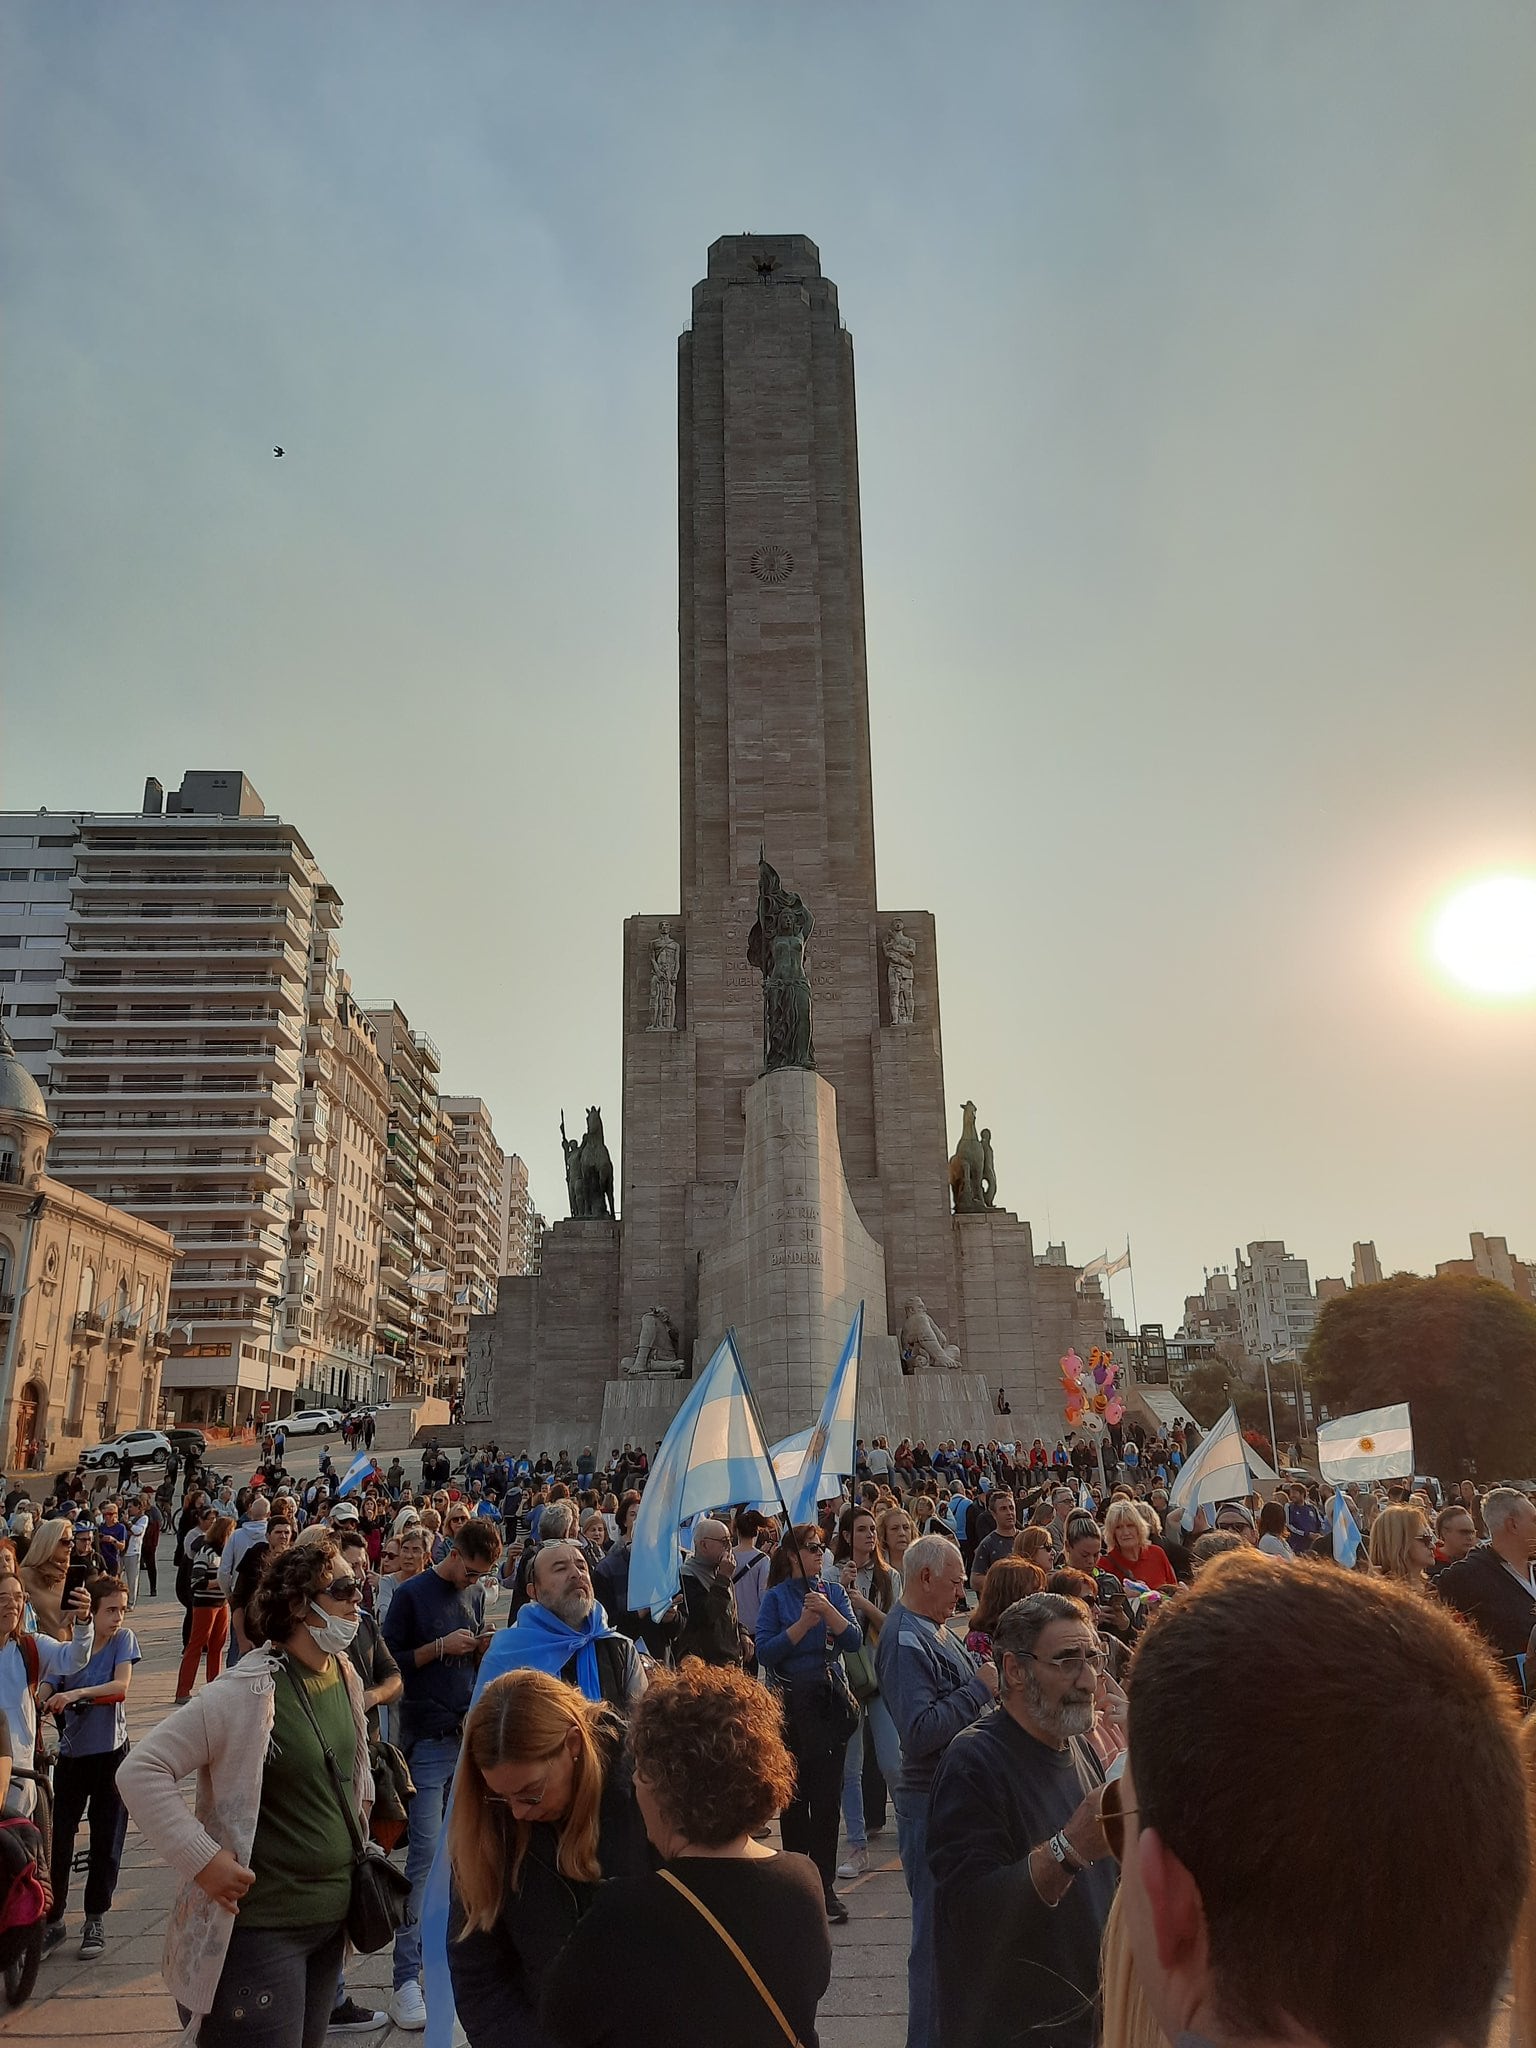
122 1997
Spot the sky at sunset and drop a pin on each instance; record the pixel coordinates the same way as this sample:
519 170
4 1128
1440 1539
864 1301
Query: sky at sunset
1197 423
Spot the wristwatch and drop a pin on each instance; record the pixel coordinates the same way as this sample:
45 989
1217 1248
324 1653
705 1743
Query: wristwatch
1066 1855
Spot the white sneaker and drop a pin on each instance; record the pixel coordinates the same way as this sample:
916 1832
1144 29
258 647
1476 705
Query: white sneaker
854 1864
407 2008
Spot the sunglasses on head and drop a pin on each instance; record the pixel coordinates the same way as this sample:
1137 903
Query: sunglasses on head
1113 1814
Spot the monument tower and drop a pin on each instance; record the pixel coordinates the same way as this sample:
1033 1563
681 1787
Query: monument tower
775 761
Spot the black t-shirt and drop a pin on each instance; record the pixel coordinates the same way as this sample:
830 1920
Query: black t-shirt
642 1932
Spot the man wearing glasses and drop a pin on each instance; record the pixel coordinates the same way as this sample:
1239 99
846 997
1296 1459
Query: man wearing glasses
1020 1866
436 1628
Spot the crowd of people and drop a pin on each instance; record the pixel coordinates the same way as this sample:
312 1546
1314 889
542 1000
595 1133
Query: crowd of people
1056 1685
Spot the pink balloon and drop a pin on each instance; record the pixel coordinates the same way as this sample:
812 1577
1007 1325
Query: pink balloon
1115 1410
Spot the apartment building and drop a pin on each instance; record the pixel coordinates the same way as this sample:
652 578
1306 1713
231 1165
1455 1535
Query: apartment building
518 1244
1276 1305
479 1211
175 944
416 1238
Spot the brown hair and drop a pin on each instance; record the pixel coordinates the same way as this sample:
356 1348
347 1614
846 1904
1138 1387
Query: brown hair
786 1559
709 1741
477 1542
1010 1579
524 1717
882 1587
1074 1585
1033 1543
1389 1678
288 1582
102 1587
1272 1521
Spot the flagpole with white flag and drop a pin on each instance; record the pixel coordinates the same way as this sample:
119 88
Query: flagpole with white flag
714 1454
1224 1467
830 1446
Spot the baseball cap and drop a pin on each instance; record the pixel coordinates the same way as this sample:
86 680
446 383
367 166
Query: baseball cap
344 1511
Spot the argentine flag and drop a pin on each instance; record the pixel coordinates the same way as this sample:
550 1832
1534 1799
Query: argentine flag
362 1468
713 1455
829 1447
1346 1531
1375 1444
1224 1468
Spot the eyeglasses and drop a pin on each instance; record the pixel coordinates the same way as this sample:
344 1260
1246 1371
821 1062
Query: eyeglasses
342 1588
1113 1815
814 1549
1423 1536
1070 1662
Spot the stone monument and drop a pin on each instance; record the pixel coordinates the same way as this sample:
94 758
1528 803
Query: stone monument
730 1097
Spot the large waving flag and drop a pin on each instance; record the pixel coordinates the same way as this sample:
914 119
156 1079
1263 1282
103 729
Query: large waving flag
1346 1530
1375 1444
362 1468
713 1456
1223 1468
830 1446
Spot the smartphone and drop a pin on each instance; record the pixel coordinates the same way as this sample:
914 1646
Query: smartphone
76 1577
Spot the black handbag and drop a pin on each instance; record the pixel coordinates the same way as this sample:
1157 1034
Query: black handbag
820 1714
381 1894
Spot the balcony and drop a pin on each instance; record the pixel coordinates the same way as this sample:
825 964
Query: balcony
177 945
10 1171
7 1304
89 1327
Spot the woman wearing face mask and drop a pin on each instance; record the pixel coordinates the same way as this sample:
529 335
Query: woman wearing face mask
281 1859
543 1812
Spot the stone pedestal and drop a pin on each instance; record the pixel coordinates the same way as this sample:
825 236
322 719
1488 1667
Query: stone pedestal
794 1261
544 1358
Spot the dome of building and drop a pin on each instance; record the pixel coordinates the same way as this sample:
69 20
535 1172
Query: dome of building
19 1093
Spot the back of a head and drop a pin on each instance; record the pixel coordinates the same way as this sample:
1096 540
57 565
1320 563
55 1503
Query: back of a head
1237 1749
557 1520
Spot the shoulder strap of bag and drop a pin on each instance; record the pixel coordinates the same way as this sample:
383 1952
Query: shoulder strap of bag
736 1950
358 1846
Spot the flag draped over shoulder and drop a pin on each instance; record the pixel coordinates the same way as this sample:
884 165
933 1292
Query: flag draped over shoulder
713 1456
1375 1444
1223 1468
829 1446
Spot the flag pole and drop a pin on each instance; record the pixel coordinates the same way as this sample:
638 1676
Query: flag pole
1135 1319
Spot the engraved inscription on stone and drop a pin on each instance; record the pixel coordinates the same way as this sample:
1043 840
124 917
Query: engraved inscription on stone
794 1255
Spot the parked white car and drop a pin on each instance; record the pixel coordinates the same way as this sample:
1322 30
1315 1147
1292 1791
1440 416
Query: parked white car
309 1422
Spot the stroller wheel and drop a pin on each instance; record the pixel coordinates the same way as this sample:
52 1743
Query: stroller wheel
21 1972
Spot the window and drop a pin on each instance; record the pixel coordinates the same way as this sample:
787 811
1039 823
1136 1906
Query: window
85 1293
57 838
51 874
15 874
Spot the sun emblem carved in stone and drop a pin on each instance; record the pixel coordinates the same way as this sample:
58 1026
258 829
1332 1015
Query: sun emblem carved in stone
771 563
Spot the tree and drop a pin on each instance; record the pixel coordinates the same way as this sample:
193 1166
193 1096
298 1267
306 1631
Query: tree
1461 1351
1212 1387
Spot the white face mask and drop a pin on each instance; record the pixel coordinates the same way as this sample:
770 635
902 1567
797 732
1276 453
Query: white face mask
338 1631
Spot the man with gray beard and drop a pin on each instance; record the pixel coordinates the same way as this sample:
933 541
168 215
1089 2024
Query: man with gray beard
563 1620
1021 1870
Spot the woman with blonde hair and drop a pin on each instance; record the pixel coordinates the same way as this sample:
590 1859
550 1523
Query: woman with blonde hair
44 1570
1034 1545
1403 1546
893 1532
1130 1552
543 1812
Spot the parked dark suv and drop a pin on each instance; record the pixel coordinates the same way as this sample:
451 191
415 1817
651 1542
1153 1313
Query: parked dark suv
188 1443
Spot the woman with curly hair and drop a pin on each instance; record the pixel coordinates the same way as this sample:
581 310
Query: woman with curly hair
732 1938
257 1931
543 1812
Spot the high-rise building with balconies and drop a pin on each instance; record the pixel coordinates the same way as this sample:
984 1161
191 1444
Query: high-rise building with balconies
179 945
519 1242
416 1226
479 1200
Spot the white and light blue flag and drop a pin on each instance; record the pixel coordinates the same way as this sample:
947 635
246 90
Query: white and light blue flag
713 1456
1346 1530
1375 1444
1223 1468
361 1469
829 1448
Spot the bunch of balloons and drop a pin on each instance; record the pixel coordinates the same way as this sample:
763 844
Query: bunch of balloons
1090 1389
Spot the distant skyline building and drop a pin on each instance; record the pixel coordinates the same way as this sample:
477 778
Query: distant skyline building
1275 1302
519 1246
1491 1260
479 1206
416 1242
1365 1267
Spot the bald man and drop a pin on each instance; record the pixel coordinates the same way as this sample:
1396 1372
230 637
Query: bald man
710 1630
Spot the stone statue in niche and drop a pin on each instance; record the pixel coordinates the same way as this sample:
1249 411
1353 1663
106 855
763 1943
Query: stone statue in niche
988 1173
776 947
477 1383
901 955
588 1169
923 1343
666 958
967 1168
656 1354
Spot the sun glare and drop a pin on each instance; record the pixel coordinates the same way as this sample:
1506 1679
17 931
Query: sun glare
1484 937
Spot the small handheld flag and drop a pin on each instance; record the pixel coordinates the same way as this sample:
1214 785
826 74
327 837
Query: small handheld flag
361 1469
1346 1531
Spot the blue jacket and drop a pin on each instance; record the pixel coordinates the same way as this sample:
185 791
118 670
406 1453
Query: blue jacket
809 1658
929 1684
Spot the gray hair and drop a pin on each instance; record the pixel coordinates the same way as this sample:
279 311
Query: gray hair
1021 1626
557 1520
927 1554
1501 1505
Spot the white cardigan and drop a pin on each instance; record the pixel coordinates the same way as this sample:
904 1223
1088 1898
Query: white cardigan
223 1736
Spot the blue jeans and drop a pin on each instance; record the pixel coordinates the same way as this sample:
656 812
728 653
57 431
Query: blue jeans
887 1754
922 1985
433 1760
